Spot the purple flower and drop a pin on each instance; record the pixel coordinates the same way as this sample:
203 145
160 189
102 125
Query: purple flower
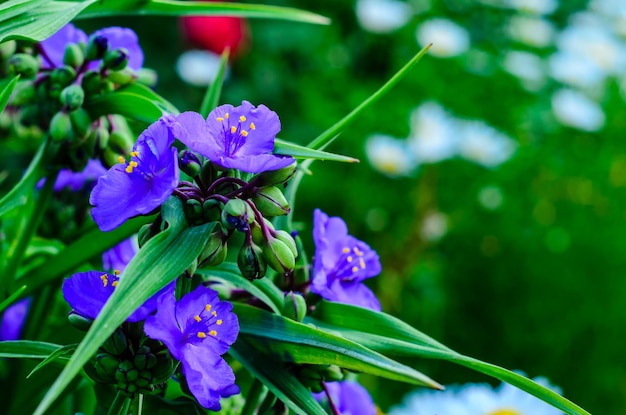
87 292
197 330
116 258
349 397
13 320
140 185
234 137
341 263
117 37
75 181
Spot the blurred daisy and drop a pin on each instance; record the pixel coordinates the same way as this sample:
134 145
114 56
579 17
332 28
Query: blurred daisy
448 38
390 156
528 67
476 399
434 226
612 10
483 144
198 67
382 16
433 136
533 31
574 109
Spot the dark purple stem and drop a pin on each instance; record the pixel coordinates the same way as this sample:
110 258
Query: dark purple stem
333 407
223 180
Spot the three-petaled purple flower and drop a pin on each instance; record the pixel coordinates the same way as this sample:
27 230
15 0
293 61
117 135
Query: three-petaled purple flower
140 185
349 398
87 292
197 330
341 263
234 137
117 37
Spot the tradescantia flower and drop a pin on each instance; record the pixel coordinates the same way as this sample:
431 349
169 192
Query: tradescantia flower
341 263
234 137
197 330
116 258
13 319
140 185
53 48
349 398
87 292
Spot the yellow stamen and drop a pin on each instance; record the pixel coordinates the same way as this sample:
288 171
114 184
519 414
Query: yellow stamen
134 153
117 272
219 322
226 115
242 118
197 318
213 313
133 164
121 159
252 126
357 252
213 333
220 119
233 129
362 263
105 279
244 133
207 307
349 259
114 283
201 334
355 269
345 250
129 169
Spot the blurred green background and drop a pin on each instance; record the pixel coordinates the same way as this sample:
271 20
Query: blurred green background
520 263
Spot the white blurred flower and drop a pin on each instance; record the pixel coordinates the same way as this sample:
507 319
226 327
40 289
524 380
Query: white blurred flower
534 6
576 110
198 67
612 10
382 16
433 136
533 31
476 399
571 69
389 155
448 38
528 67
483 144
490 197
434 226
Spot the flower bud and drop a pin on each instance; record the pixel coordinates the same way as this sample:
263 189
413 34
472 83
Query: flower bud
271 202
73 56
122 77
144 379
313 375
7 48
279 256
24 93
24 65
275 177
189 163
294 306
91 82
237 214
257 232
101 140
193 210
61 127
288 240
120 142
126 372
72 97
251 263
116 59
106 366
81 121
144 358
116 344
63 76
163 369
147 76
211 209
215 249
97 46
78 321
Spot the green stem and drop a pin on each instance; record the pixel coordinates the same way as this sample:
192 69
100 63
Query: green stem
253 397
120 404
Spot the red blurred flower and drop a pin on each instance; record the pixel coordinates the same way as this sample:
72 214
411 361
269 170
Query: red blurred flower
216 33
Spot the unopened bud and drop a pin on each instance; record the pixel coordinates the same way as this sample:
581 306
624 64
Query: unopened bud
61 127
288 240
294 306
7 48
163 369
24 93
258 237
73 56
147 76
126 372
279 256
72 97
271 202
97 46
101 137
237 214
193 210
106 366
251 263
116 344
144 358
63 76
123 77
275 177
24 65
116 59
91 82
189 163
80 322
215 249
211 210
81 121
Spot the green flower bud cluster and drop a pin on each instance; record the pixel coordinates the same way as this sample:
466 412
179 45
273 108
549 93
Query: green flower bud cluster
128 368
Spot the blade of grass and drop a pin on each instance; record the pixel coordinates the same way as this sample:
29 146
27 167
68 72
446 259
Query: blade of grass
213 92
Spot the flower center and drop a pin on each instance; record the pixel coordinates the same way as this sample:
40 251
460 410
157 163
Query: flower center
504 411
133 163
234 135
109 279
349 263
203 325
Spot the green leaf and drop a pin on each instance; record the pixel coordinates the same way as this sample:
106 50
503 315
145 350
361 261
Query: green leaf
212 96
339 126
10 299
158 262
13 8
7 91
39 23
277 378
263 289
389 335
59 354
27 349
180 8
130 105
299 343
140 89
295 150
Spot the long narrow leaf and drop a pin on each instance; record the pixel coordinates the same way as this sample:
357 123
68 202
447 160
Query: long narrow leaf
212 96
161 260
10 299
140 89
12 8
59 354
295 150
180 8
131 105
7 91
27 349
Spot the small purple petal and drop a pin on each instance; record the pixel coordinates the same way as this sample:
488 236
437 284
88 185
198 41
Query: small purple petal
116 258
121 37
349 397
54 46
342 263
76 181
141 185
13 320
